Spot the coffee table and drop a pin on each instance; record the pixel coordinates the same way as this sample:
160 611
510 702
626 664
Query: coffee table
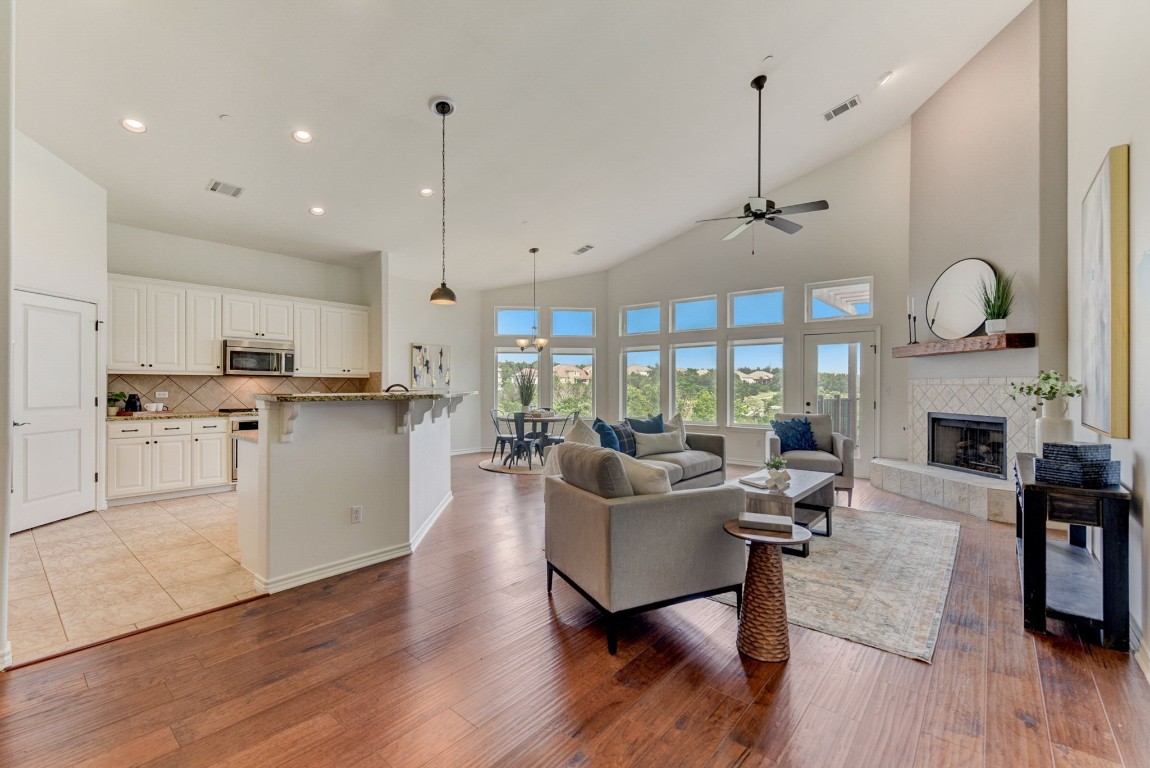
763 632
808 500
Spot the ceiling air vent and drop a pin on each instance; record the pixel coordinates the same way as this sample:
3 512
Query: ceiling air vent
850 103
584 249
224 188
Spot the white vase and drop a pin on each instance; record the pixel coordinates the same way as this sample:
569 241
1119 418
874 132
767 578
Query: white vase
996 326
1052 426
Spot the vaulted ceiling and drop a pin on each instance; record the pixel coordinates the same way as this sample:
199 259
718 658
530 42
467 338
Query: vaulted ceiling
601 122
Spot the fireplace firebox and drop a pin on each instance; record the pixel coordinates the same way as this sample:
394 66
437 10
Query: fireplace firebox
975 444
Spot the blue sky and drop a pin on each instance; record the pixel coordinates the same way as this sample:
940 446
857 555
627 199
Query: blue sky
572 322
650 357
755 308
645 320
759 356
693 315
695 357
571 359
833 358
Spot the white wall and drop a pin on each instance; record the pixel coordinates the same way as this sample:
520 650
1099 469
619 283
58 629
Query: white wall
146 253
411 318
1108 67
59 232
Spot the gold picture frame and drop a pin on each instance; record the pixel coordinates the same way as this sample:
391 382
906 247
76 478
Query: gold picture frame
1106 297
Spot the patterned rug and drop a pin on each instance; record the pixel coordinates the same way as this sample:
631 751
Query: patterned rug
515 469
880 580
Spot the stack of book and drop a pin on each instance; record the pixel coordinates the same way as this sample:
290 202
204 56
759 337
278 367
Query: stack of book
775 523
1081 465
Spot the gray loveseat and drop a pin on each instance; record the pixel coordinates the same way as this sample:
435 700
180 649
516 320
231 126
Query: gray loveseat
703 464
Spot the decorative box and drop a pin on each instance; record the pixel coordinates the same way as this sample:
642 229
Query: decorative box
1076 452
1080 474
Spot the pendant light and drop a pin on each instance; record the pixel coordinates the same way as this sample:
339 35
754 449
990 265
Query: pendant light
443 294
535 341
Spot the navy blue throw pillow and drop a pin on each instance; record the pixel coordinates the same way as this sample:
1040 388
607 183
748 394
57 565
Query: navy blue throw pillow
607 436
651 426
626 438
795 435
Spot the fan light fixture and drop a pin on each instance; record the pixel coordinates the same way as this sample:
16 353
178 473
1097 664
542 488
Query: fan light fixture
535 341
443 294
884 78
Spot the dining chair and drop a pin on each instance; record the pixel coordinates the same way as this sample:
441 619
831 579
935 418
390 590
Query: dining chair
502 439
523 442
560 430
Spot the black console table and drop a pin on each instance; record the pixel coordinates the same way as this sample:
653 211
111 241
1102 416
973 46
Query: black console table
1061 579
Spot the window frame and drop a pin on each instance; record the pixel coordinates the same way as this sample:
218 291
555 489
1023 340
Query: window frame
671 314
647 305
517 334
515 351
574 351
622 382
808 299
594 323
673 371
731 377
731 307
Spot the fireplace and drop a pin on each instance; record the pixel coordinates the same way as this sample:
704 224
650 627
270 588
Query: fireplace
975 444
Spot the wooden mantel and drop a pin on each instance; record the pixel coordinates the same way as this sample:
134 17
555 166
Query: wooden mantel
987 343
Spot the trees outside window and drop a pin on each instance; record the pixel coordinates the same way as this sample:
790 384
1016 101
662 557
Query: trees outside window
507 364
642 383
573 382
696 393
756 382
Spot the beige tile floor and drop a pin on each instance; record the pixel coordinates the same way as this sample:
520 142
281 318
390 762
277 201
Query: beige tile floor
103 574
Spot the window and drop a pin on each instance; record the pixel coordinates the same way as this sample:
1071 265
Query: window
642 382
642 318
694 383
572 381
694 314
507 364
514 321
572 322
756 307
756 382
839 299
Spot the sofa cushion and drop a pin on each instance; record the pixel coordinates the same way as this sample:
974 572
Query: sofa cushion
626 437
693 463
795 435
813 461
675 424
595 470
663 442
581 432
645 477
607 436
674 471
820 427
653 425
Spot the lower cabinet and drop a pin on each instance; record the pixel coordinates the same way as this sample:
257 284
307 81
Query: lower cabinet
166 455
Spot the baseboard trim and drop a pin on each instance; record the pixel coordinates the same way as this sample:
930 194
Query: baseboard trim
417 537
462 451
6 656
308 575
180 494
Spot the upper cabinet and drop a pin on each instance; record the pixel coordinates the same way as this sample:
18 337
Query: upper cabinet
307 339
344 342
205 349
146 324
248 316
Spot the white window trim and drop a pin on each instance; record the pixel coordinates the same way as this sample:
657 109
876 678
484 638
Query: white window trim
809 288
623 377
594 367
675 302
731 379
594 323
673 369
731 307
499 335
623 319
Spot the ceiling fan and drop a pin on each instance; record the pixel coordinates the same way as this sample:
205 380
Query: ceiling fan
759 208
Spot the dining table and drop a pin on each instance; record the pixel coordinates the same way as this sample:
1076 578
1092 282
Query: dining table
540 426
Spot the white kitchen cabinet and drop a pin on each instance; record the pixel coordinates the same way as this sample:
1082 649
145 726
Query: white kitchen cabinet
345 346
163 455
211 460
129 466
165 329
146 324
308 340
204 346
171 463
248 316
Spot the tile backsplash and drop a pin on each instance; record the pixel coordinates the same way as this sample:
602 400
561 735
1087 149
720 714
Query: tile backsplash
191 394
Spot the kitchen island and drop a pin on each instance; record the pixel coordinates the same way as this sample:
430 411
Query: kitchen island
337 482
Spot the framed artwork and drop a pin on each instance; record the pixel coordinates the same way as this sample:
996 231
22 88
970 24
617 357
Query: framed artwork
1106 297
430 366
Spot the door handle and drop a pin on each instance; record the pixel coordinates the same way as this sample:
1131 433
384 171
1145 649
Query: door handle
21 423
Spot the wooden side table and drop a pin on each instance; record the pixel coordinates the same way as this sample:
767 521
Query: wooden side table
763 632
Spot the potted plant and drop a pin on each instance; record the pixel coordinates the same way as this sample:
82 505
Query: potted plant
114 399
997 300
1049 391
526 385
777 475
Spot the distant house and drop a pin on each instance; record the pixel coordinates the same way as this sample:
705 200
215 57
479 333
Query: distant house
569 373
639 370
761 376
745 377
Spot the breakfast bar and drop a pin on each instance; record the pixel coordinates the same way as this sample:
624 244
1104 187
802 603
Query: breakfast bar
335 482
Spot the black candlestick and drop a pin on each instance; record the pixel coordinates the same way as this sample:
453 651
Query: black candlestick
910 329
914 329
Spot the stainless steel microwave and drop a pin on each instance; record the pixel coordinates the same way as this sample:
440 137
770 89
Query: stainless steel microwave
259 358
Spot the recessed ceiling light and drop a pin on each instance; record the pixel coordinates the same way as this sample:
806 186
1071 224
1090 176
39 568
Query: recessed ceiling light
133 125
317 211
426 192
884 78
303 137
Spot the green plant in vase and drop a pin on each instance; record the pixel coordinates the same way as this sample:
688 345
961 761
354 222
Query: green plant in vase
777 475
526 385
777 463
996 300
114 399
1049 391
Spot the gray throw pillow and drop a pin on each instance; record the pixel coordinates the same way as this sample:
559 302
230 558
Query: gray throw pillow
664 442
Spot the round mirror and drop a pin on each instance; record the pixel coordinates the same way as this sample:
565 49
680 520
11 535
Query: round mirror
953 310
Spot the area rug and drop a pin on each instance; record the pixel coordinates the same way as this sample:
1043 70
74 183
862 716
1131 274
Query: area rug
517 469
880 580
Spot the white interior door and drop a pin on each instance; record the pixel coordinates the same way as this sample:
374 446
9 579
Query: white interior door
55 413
840 379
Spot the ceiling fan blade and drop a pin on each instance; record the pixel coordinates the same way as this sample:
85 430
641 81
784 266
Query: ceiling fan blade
817 205
722 218
787 226
739 229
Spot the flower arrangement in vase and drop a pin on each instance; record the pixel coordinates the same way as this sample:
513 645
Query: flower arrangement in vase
1049 391
777 476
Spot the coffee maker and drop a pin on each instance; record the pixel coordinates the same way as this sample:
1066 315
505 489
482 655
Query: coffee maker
133 404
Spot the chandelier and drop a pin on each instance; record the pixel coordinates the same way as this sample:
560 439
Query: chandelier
535 341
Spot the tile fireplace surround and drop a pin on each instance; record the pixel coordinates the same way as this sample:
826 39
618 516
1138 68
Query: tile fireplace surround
983 497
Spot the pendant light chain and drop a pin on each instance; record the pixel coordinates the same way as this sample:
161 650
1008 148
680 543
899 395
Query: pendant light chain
443 200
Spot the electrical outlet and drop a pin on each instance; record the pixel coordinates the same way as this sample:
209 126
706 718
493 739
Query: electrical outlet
161 395
357 513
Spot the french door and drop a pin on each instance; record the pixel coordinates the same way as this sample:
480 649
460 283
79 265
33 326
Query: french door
840 378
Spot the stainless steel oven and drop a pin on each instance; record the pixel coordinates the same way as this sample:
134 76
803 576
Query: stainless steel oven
239 421
259 358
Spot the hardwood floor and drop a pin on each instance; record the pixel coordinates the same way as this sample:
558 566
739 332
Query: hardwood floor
456 656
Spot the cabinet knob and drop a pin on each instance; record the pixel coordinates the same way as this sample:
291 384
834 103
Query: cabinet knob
142 365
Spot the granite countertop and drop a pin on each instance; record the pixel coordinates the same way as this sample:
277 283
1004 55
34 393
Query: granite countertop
247 435
359 396
158 415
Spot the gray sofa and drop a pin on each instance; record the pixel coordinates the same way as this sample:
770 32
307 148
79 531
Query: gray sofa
702 465
625 553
